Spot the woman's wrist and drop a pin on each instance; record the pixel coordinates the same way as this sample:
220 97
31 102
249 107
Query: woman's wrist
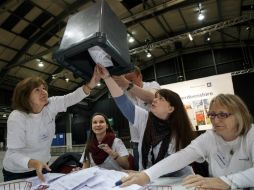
106 77
87 88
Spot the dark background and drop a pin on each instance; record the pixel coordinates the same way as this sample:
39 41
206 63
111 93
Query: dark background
182 67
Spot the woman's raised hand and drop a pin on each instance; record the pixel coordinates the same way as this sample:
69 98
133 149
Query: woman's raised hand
94 80
102 71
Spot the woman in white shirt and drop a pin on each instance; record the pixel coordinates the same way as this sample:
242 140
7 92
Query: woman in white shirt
31 126
163 130
228 149
103 148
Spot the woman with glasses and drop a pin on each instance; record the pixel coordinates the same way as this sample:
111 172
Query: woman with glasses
228 149
163 130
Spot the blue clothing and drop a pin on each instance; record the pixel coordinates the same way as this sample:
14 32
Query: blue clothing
126 107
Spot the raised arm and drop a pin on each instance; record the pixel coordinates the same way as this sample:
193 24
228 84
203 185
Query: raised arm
92 83
136 91
114 89
124 104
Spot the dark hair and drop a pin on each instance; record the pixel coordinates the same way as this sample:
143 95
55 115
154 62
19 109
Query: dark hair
22 91
92 136
180 125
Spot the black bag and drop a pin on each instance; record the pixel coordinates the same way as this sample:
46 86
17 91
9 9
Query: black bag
66 162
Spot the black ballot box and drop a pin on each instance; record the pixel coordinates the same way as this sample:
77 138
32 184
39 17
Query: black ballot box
96 25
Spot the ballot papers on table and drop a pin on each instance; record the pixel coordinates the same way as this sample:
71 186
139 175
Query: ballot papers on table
86 179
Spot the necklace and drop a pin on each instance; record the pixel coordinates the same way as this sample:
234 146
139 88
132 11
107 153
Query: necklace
231 152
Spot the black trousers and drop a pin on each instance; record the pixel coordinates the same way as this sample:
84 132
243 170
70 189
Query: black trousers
8 176
135 155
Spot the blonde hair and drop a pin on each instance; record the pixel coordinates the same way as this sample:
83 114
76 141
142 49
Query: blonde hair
236 106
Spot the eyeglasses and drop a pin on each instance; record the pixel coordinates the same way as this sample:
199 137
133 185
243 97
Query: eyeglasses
220 115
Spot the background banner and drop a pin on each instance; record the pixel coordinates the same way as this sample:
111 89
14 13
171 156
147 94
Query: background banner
196 95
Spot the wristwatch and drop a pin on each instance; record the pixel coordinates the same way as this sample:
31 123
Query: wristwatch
131 85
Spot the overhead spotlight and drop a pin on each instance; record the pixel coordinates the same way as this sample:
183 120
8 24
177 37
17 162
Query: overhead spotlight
131 39
4 115
190 37
41 64
98 84
67 79
207 37
148 54
53 77
247 28
201 16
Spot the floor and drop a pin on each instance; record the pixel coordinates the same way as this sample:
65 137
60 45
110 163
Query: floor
1 165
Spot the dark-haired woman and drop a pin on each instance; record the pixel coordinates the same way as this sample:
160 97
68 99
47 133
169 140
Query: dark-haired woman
163 130
31 126
103 148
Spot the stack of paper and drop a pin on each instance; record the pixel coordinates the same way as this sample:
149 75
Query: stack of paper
86 179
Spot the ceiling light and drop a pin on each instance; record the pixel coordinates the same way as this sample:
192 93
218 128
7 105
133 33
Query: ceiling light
207 37
67 79
148 55
4 115
201 16
131 39
53 77
98 84
190 37
41 64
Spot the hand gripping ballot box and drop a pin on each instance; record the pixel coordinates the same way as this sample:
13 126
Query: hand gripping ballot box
95 26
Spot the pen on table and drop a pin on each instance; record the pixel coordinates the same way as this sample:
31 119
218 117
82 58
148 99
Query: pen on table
118 183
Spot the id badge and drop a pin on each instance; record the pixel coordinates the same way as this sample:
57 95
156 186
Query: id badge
221 159
44 137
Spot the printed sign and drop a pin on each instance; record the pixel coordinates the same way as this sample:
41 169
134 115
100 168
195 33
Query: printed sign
196 95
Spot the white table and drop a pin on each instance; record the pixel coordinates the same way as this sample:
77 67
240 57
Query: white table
174 182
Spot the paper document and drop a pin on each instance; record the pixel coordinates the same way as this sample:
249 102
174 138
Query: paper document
99 56
174 182
93 178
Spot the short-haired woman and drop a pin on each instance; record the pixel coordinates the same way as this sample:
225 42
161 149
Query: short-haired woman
31 126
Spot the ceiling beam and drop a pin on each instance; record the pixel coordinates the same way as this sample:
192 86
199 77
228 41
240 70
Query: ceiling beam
158 10
197 32
40 34
193 50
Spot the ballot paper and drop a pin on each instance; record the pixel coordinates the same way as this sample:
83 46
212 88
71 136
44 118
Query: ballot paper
99 56
86 179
